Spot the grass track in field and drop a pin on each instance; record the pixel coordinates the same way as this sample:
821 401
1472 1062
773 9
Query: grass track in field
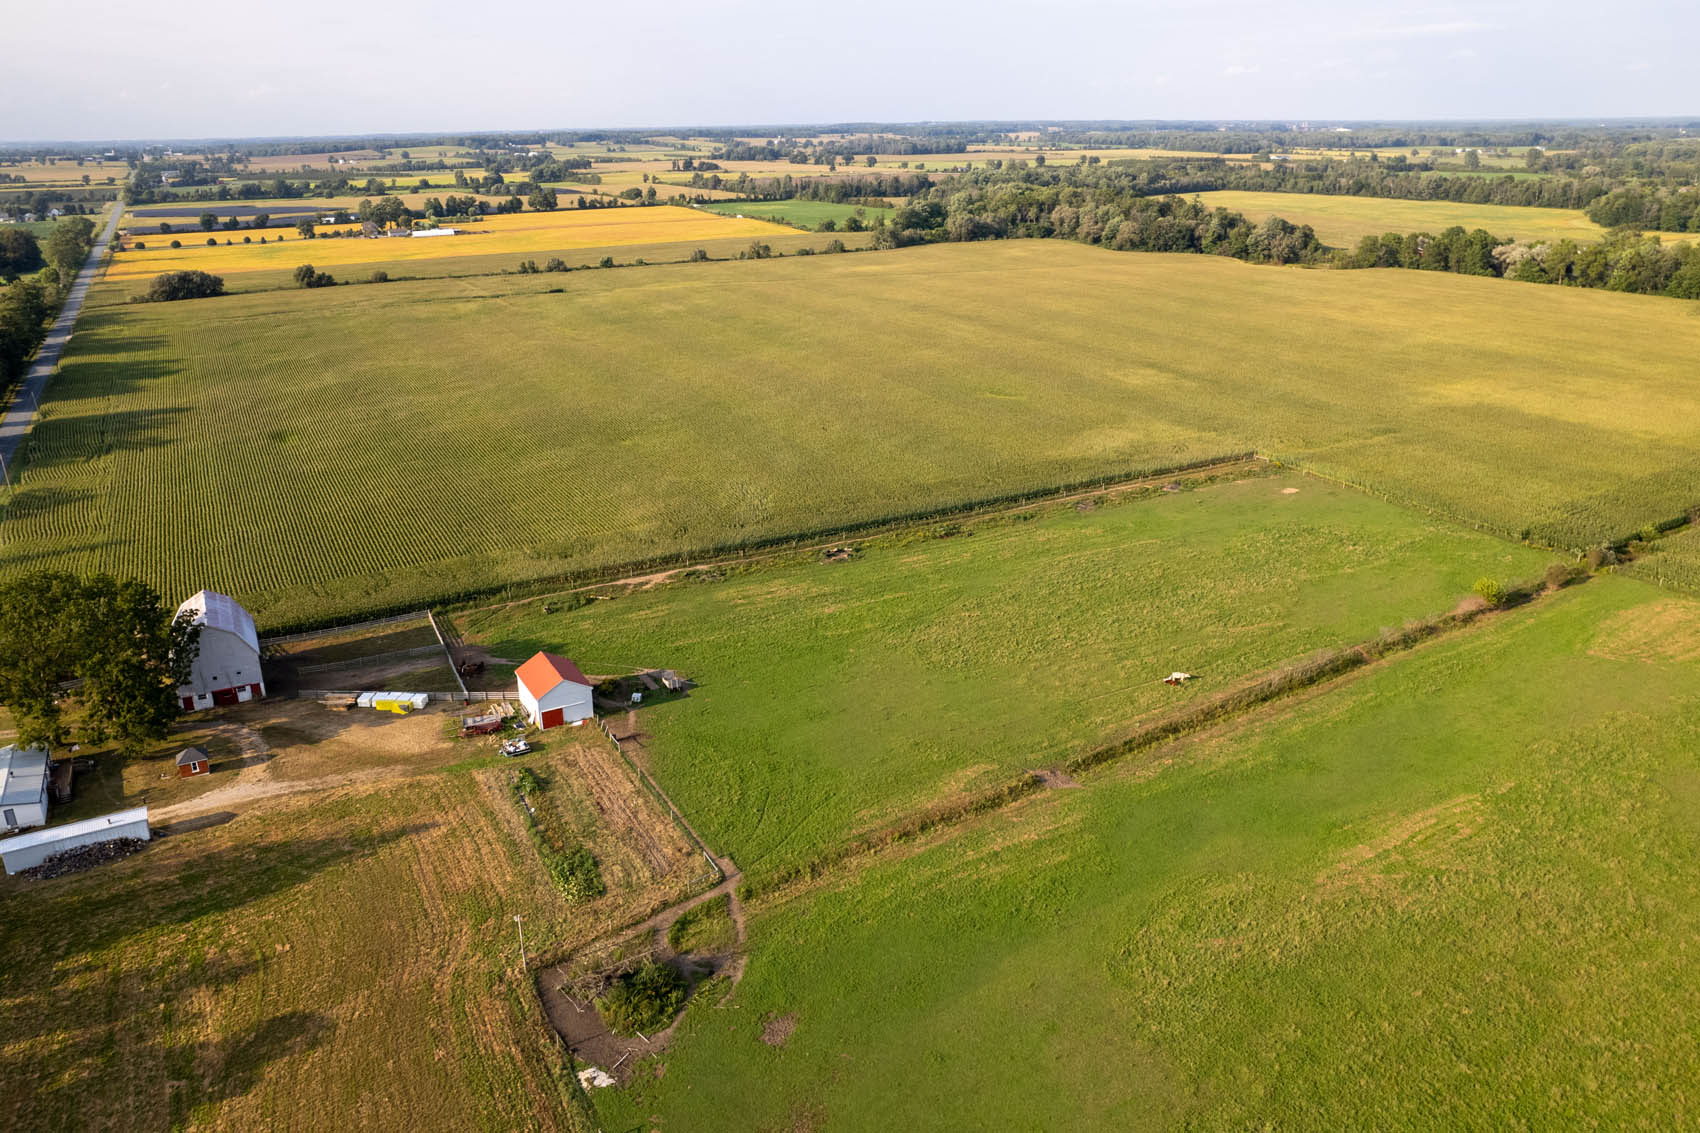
1343 221
837 698
483 430
1456 891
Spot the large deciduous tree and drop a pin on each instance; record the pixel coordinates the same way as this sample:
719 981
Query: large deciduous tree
117 636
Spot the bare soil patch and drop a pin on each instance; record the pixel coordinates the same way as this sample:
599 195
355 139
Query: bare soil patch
775 1031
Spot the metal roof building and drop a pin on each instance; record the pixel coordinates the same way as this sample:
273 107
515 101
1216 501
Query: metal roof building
32 849
553 691
227 669
23 787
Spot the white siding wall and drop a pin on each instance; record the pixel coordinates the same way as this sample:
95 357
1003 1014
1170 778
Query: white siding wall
575 698
225 661
25 815
28 856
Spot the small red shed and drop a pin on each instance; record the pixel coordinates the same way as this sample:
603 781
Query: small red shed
192 761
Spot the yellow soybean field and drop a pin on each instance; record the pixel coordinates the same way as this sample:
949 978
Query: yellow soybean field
528 234
1343 221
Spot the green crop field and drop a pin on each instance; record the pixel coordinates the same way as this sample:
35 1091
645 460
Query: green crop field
806 214
1672 562
1456 891
838 697
1343 221
320 452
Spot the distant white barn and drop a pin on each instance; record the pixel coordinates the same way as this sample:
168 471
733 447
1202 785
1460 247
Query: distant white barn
553 691
23 787
27 850
227 670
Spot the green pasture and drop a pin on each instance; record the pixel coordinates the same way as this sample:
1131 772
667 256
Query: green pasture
1456 892
318 453
838 697
804 214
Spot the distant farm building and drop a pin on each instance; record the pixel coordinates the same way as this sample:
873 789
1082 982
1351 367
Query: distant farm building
192 761
27 850
554 692
23 787
434 232
227 669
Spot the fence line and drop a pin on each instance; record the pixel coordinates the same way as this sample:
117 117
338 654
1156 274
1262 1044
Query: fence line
332 631
444 697
661 797
447 652
416 651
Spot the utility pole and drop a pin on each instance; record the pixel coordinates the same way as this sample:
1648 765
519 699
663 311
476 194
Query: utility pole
521 929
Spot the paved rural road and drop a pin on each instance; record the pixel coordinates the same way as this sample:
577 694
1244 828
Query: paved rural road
20 415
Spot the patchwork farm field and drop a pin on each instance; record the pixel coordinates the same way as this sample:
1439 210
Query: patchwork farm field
839 697
487 431
1343 221
1455 891
528 234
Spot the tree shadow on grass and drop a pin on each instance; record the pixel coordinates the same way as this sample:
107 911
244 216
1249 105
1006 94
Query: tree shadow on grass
84 437
103 966
205 1074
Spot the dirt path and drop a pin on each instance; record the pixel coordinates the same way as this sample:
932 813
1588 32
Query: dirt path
248 790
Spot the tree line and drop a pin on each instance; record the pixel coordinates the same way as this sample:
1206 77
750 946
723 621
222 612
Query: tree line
1623 261
38 276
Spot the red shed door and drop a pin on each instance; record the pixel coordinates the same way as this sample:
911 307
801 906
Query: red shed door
224 696
554 717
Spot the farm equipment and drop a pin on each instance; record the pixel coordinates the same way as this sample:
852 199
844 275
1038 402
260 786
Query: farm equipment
480 725
1177 678
511 748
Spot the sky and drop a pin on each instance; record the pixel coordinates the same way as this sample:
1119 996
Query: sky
235 68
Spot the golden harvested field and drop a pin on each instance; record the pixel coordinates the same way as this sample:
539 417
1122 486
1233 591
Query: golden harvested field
528 234
288 163
66 172
1343 221
189 212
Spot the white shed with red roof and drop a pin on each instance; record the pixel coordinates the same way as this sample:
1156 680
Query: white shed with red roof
553 691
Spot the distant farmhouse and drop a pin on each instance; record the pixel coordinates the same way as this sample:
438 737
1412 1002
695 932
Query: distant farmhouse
227 669
23 787
554 692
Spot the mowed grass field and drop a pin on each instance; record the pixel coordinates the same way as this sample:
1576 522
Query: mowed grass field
321 452
1343 221
526 234
343 960
1456 891
836 698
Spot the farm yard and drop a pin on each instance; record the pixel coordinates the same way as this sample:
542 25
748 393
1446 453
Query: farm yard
1271 893
993 369
1343 221
255 959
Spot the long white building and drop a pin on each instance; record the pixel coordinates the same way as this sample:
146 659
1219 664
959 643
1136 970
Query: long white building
227 669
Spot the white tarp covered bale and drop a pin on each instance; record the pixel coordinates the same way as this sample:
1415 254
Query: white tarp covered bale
27 850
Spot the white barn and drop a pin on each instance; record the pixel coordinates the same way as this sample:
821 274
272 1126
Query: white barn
227 670
37 846
554 692
23 787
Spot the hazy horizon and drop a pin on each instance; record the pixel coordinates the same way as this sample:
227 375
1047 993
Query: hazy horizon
225 74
